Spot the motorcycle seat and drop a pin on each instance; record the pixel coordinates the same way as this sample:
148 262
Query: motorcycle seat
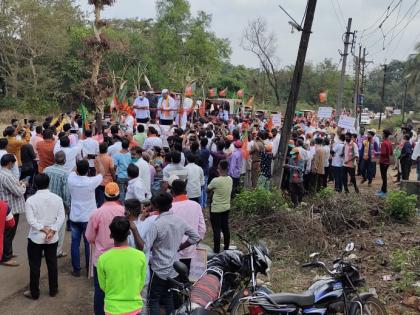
302 300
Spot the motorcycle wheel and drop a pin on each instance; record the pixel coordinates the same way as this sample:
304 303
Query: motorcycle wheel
240 308
372 306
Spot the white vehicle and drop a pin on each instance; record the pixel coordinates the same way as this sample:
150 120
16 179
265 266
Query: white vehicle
365 119
377 115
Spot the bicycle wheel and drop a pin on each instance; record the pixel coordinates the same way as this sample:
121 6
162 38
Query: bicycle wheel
372 306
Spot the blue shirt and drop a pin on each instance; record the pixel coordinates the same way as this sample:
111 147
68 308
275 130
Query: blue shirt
121 161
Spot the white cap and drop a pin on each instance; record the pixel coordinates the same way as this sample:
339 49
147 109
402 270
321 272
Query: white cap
165 91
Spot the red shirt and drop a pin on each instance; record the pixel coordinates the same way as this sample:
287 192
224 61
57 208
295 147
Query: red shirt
385 152
7 221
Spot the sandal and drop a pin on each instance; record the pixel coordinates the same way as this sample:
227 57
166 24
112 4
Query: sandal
10 263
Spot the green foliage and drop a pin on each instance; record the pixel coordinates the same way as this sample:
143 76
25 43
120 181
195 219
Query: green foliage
259 201
406 263
326 193
400 206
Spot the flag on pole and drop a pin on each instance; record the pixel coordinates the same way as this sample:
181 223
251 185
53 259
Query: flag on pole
250 102
188 91
202 108
146 79
114 104
240 93
83 112
244 149
323 95
270 123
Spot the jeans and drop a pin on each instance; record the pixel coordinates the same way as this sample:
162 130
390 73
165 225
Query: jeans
338 178
405 167
100 195
325 178
220 224
384 176
203 200
352 172
35 258
77 232
160 294
296 193
122 184
99 295
9 235
368 170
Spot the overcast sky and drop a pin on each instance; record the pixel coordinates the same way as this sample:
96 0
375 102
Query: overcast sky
230 17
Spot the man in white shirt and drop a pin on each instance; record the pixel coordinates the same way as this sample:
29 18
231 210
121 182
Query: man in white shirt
82 192
327 152
45 216
136 188
195 178
90 149
182 117
167 108
337 163
276 142
144 171
3 145
128 122
141 108
72 153
152 139
174 168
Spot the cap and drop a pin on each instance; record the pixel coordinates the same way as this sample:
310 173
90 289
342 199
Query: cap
165 91
112 190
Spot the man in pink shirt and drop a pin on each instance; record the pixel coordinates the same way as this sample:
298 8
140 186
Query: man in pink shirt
190 211
98 234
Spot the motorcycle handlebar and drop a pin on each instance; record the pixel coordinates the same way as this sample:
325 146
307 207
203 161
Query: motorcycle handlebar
176 283
318 264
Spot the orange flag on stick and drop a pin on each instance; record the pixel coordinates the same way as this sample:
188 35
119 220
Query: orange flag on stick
244 149
270 123
188 91
202 108
240 93
113 104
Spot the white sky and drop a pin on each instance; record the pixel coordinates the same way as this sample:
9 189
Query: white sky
230 17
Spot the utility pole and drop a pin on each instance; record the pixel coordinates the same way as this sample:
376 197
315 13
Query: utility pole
343 69
357 85
362 85
405 100
294 92
382 97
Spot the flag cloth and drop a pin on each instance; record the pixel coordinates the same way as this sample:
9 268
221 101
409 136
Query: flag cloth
223 93
202 108
240 93
212 92
270 123
188 91
83 112
250 102
244 149
114 104
323 96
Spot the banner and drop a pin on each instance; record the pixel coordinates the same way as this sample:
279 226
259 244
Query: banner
346 122
325 112
276 120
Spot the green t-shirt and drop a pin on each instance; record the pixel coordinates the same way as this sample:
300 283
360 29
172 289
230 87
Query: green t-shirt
222 188
121 275
140 137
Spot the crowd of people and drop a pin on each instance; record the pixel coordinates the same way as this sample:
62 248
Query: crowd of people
136 189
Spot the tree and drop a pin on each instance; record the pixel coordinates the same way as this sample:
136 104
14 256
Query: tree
263 45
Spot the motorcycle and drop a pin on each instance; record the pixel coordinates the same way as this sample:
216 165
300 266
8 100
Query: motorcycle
337 294
227 274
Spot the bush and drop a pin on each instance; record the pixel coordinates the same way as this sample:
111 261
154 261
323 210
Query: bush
325 193
400 205
259 201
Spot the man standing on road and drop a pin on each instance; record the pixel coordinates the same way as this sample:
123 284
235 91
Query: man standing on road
12 191
45 150
82 192
59 185
45 216
166 236
385 161
98 233
195 178
351 156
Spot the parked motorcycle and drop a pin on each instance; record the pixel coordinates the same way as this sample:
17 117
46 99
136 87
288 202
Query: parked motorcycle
337 294
227 274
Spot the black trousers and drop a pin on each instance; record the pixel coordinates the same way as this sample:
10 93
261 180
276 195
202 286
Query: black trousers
220 224
405 168
196 199
160 295
349 171
35 257
235 186
9 235
384 170
296 193
316 182
326 175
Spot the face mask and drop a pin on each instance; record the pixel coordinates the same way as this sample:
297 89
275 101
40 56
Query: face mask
141 97
134 159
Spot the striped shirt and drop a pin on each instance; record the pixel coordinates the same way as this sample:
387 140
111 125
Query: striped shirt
12 191
58 182
166 235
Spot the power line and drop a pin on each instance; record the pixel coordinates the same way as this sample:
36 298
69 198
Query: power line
389 14
341 12
336 15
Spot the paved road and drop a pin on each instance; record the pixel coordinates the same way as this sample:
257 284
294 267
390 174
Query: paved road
14 279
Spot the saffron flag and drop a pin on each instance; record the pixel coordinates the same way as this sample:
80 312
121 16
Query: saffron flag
323 96
244 149
270 123
113 104
202 108
240 93
188 91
